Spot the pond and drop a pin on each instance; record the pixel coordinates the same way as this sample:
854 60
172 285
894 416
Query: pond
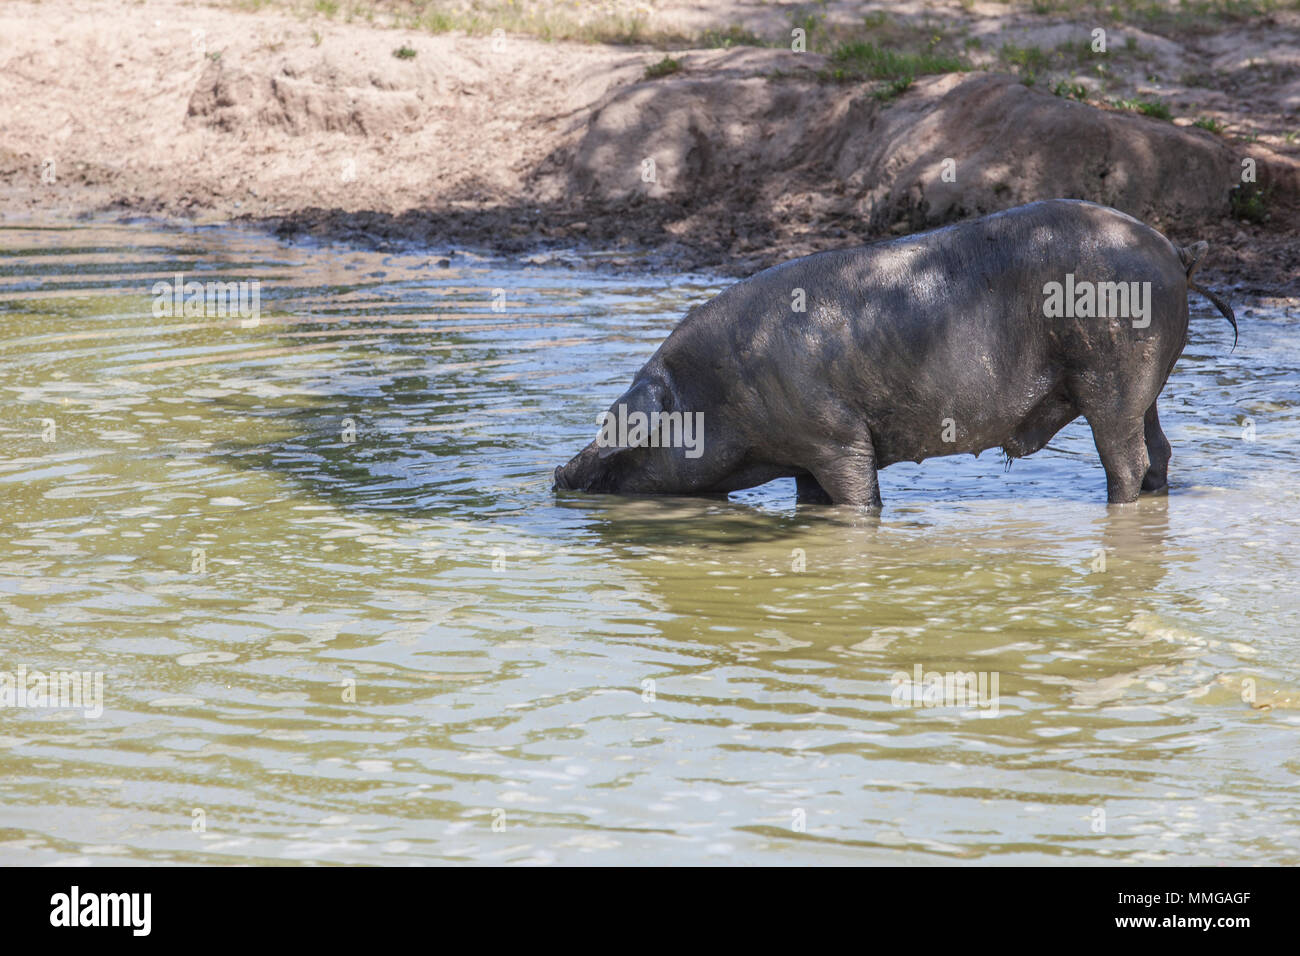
313 561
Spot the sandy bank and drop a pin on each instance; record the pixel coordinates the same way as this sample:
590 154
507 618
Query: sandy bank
738 158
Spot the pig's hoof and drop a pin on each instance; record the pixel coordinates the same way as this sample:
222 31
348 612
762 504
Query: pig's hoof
1155 485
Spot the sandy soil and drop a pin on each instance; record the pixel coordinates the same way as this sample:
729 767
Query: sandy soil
313 125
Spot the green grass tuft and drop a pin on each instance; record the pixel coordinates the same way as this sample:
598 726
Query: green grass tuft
894 89
1152 108
663 68
1074 91
1249 202
863 59
1030 59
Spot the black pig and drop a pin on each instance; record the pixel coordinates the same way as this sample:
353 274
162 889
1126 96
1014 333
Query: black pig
995 332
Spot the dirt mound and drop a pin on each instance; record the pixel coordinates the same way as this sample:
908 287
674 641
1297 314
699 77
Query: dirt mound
947 148
323 99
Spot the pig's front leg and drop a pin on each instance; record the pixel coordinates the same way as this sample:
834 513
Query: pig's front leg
809 492
847 475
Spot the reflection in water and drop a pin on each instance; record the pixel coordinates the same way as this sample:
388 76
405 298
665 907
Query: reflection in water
338 610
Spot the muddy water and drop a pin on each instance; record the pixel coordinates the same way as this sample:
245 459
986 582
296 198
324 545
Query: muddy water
339 616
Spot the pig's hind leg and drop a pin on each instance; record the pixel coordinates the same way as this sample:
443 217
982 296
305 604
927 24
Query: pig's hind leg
1158 451
1118 405
1121 443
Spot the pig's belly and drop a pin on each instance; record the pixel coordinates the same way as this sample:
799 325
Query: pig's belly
1019 423
753 475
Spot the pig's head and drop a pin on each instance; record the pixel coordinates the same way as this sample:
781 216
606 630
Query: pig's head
647 445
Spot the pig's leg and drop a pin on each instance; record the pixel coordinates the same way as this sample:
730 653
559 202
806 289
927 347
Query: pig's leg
848 477
1121 443
809 492
1158 451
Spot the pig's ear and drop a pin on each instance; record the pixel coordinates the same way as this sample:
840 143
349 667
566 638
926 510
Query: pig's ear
647 397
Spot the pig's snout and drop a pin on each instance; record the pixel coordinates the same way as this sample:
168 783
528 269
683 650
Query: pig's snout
579 473
586 471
